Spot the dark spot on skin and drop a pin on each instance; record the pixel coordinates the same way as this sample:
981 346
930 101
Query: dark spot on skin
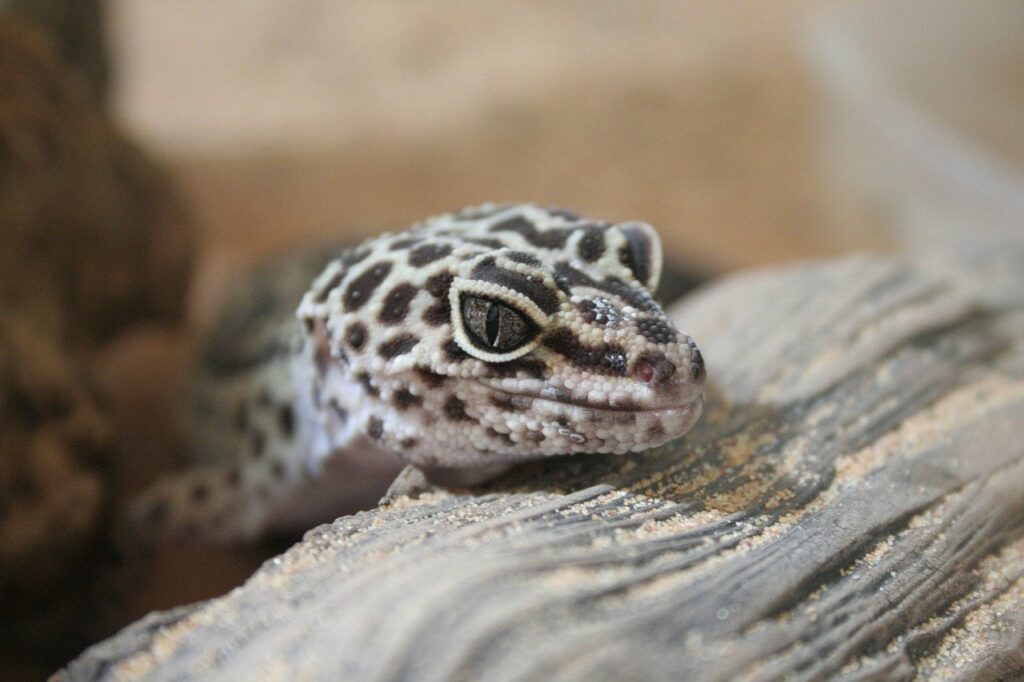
438 285
359 290
408 443
503 437
200 493
603 314
257 444
233 477
428 253
590 247
277 470
485 242
656 330
375 428
588 310
400 244
656 431
455 409
330 286
263 398
522 257
535 436
454 352
529 286
640 299
430 378
604 358
697 370
355 335
567 277
403 399
439 313
396 304
399 345
286 420
310 324
553 238
367 383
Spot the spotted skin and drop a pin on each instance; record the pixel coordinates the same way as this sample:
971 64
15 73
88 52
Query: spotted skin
471 341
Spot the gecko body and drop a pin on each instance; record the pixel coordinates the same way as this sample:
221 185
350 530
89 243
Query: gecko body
465 344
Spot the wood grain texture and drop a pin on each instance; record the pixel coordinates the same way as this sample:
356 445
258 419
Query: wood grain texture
849 507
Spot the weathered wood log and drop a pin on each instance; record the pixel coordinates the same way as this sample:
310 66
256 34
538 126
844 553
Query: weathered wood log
851 506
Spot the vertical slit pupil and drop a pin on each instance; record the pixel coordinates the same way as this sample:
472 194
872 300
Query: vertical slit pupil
493 324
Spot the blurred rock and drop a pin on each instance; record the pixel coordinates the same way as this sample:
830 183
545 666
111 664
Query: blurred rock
93 237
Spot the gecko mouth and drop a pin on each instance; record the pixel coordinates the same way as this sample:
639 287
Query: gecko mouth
626 408
562 396
558 405
653 424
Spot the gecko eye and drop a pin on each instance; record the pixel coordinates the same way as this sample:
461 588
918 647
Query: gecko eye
495 326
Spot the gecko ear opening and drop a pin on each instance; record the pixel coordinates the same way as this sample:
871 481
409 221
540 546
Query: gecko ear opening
642 253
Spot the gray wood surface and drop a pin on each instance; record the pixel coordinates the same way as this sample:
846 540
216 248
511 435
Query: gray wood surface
851 507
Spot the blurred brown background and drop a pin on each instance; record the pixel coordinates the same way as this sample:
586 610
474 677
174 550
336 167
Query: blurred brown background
286 121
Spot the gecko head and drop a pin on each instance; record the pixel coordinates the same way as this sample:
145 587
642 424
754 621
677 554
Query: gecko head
532 333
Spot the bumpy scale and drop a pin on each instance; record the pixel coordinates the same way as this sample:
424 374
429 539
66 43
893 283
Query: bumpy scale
467 343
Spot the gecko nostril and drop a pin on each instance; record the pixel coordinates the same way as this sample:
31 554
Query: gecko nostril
653 368
644 371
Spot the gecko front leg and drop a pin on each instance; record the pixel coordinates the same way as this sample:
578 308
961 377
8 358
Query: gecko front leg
237 502
293 464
